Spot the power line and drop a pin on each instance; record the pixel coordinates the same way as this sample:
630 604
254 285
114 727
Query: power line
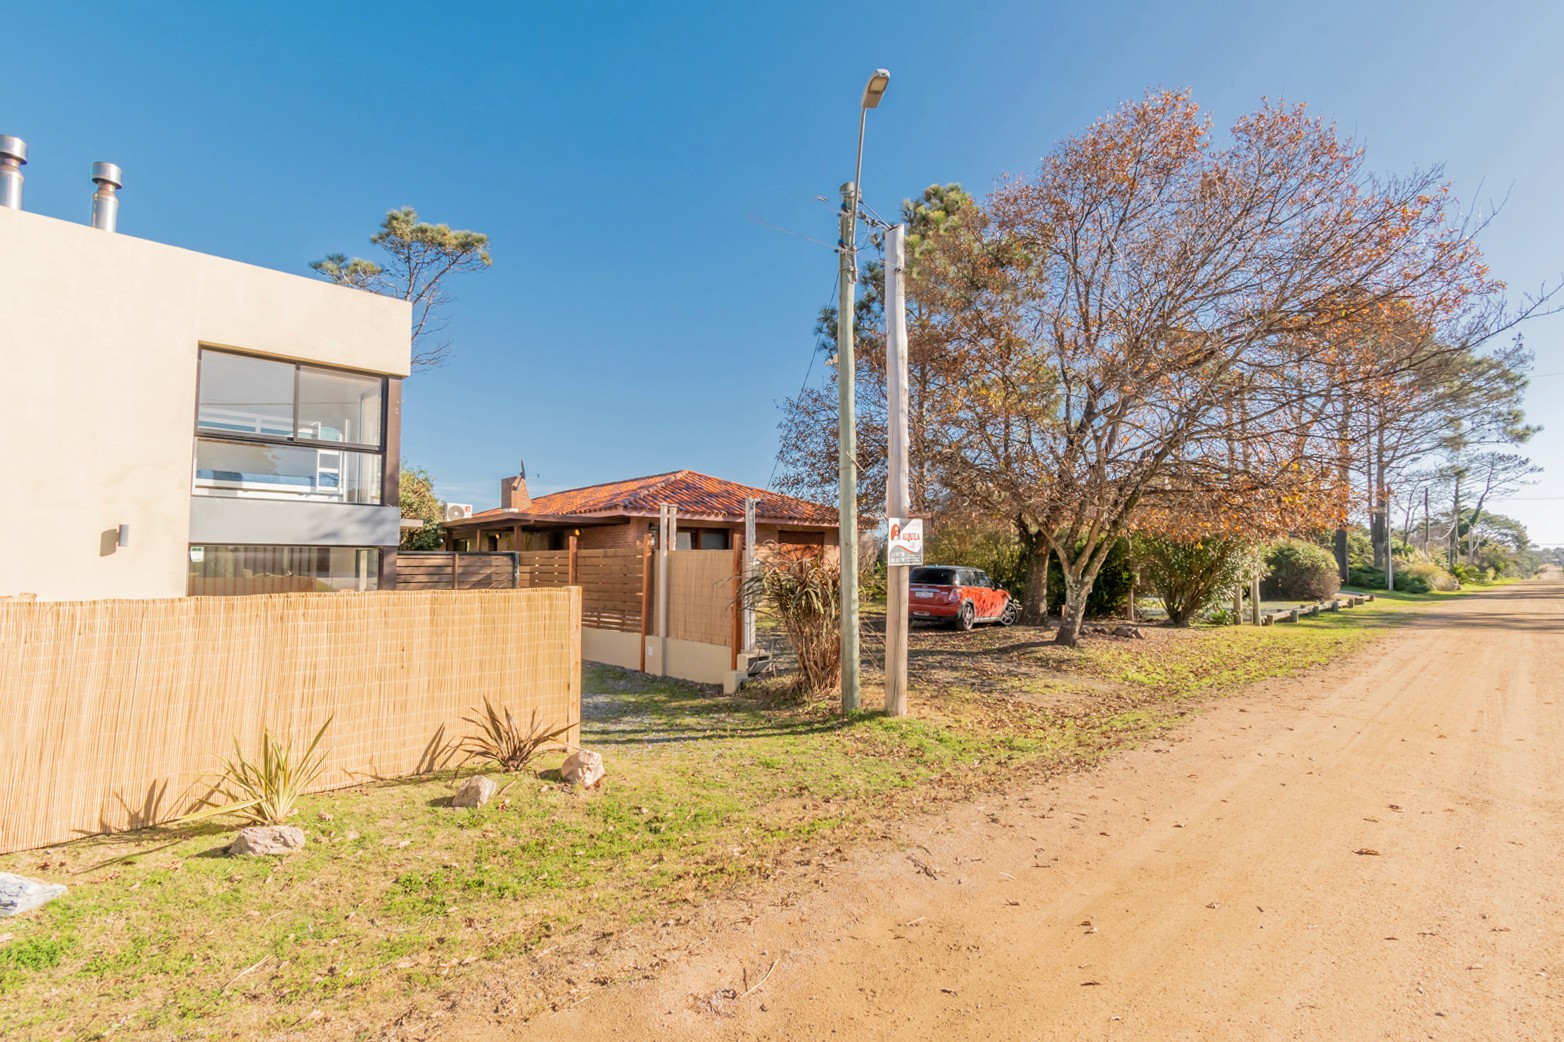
813 352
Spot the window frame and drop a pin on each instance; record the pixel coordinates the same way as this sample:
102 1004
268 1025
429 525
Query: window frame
206 434
372 575
209 434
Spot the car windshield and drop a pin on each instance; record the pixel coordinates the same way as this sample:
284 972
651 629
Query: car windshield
933 576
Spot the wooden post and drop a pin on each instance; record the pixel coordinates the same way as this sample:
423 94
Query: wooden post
1132 599
749 569
666 535
646 582
570 575
1254 599
738 604
453 571
898 492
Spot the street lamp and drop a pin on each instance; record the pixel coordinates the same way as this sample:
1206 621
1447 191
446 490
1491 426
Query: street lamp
846 371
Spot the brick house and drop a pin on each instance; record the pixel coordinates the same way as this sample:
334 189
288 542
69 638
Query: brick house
623 513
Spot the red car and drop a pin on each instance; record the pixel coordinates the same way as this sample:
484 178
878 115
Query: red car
959 596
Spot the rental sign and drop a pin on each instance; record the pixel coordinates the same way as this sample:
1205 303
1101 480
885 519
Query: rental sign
906 542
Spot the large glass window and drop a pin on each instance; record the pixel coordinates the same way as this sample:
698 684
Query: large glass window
233 570
260 425
247 469
337 406
243 395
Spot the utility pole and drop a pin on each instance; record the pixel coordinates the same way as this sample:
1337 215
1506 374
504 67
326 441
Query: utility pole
847 447
898 494
846 420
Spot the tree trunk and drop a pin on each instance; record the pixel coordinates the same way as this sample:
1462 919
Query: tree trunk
1344 473
1034 565
1379 514
1074 613
1455 523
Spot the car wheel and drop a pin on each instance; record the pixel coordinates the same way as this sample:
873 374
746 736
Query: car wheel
966 616
1011 613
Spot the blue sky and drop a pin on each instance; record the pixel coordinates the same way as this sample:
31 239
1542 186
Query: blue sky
630 162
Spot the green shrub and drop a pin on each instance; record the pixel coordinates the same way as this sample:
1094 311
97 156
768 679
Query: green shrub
1360 549
1368 578
1223 617
1191 576
1466 573
1423 577
1110 593
995 549
1300 571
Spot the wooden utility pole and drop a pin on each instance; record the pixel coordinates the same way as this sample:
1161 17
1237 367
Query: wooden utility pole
898 494
847 446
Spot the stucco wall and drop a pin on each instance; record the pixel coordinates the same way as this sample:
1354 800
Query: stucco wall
99 337
687 659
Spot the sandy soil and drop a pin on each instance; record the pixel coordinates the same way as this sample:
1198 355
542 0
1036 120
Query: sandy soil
1369 852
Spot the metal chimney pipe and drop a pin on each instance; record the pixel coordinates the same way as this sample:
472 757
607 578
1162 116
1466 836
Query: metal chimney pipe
105 204
13 156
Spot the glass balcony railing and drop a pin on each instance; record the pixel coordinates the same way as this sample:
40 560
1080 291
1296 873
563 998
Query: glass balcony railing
247 469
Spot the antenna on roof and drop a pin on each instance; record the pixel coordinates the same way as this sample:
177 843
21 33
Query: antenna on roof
522 472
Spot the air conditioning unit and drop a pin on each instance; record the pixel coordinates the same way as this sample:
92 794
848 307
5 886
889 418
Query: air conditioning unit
458 511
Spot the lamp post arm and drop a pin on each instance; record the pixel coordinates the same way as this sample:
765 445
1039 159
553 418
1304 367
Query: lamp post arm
852 242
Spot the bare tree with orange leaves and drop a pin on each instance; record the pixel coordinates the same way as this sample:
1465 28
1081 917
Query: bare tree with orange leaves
1155 330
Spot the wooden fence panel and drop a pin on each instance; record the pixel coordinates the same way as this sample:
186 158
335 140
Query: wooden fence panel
116 712
700 595
610 582
456 570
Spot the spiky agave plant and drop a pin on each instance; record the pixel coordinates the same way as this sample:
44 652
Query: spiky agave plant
266 791
502 740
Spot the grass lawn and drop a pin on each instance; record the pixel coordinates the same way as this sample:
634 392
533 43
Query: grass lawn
399 901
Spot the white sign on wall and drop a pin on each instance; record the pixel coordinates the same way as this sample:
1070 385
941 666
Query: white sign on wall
906 542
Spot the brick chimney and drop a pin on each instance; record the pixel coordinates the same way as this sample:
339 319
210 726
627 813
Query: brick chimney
513 493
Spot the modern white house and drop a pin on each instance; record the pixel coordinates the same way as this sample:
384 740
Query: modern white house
175 423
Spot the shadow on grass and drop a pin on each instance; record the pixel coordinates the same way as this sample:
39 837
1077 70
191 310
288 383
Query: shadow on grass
671 712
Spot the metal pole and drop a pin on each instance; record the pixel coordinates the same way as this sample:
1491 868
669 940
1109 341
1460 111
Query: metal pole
898 494
847 442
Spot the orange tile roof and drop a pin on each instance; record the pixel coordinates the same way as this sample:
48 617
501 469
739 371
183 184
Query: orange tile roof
698 496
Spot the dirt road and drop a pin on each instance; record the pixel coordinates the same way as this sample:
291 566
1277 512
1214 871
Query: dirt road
1375 851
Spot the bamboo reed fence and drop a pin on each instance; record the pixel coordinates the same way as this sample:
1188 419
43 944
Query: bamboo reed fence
701 595
116 712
